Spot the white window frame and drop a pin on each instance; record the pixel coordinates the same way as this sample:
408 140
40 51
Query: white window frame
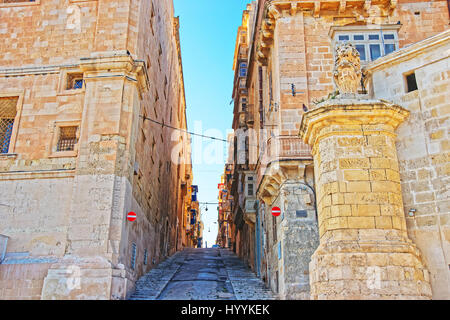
380 30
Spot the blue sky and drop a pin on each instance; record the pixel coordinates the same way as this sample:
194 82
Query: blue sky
208 30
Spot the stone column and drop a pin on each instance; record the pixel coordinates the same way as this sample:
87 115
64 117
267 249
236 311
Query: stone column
364 250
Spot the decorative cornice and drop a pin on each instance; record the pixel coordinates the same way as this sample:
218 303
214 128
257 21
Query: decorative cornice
123 64
276 9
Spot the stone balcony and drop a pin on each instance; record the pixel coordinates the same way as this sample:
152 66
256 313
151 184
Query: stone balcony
281 148
280 161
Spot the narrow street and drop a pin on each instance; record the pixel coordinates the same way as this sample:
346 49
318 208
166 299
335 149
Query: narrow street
201 274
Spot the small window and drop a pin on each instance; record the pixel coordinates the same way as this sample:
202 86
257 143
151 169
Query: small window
74 81
8 111
279 250
374 37
243 70
358 37
344 38
145 257
133 255
389 37
250 189
411 83
67 139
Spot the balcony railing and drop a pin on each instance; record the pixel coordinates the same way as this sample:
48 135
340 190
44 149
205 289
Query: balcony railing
250 204
283 148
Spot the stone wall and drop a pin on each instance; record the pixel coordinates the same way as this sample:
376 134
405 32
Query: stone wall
290 243
22 281
302 50
73 205
423 147
35 220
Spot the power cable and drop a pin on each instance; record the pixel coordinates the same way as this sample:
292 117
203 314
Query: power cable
182 130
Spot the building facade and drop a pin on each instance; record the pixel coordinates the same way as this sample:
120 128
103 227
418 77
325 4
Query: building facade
82 84
285 67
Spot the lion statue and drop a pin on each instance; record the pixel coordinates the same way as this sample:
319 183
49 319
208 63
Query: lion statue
347 69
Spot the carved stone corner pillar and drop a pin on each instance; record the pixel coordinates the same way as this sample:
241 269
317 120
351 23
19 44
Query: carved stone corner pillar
364 250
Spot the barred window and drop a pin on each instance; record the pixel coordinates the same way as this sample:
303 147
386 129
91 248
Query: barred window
8 113
74 81
67 138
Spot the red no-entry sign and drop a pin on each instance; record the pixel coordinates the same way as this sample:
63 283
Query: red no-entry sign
131 216
276 211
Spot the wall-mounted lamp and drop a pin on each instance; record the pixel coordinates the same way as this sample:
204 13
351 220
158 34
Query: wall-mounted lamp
412 212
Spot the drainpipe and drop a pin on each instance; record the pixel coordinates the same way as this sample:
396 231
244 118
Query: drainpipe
258 240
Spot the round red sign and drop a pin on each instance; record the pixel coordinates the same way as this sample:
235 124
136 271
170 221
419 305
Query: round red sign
131 216
276 211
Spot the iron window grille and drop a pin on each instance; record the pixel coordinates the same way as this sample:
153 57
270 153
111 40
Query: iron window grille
67 139
8 113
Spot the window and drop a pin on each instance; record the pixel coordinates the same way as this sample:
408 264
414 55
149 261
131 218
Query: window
67 139
370 44
261 96
243 69
250 190
8 111
133 255
274 228
74 81
243 104
145 257
279 250
411 83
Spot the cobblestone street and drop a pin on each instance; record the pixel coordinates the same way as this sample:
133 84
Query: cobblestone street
201 274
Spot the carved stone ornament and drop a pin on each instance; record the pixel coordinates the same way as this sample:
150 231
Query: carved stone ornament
347 69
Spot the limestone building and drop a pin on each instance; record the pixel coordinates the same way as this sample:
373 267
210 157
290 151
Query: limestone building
78 82
285 66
